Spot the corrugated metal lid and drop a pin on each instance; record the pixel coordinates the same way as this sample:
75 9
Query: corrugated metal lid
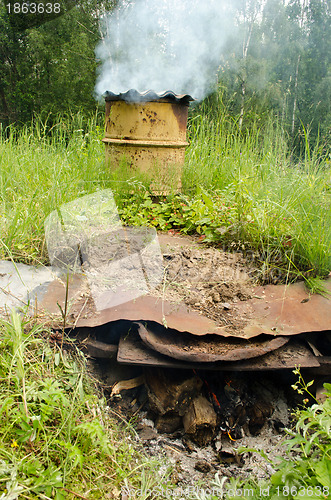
133 95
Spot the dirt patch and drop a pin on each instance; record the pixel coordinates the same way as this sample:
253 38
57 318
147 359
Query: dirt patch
208 280
211 282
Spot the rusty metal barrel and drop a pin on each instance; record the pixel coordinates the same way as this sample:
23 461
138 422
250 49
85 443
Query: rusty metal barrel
147 133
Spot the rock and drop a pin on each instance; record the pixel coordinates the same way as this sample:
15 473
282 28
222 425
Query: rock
216 297
168 423
147 434
202 466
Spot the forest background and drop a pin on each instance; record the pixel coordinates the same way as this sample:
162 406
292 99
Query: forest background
278 62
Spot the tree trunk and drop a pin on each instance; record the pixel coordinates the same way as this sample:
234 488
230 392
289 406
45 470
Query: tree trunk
242 107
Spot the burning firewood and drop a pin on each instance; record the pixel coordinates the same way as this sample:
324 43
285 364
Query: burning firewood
170 392
200 421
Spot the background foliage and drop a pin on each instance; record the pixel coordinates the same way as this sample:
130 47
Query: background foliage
277 62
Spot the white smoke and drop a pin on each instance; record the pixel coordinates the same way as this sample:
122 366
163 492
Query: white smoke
163 45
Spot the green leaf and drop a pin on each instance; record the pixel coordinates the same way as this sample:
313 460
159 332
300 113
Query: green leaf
327 387
57 359
243 449
208 201
59 496
323 472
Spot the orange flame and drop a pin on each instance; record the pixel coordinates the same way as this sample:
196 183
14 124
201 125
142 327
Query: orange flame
228 433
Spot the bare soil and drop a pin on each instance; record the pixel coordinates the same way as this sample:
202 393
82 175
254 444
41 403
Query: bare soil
208 280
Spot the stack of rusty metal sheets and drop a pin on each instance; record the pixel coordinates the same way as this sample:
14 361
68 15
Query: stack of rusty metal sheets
287 327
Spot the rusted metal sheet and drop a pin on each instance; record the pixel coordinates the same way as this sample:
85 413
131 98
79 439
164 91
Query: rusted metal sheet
133 95
133 351
210 348
289 356
274 310
281 310
53 297
288 310
82 312
173 315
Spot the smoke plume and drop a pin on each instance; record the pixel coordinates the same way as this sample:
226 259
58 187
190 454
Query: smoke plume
163 45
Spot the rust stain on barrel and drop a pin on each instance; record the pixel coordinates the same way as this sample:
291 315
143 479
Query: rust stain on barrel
180 112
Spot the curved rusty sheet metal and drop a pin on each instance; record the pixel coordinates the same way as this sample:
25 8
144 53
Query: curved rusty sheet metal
209 348
134 352
82 311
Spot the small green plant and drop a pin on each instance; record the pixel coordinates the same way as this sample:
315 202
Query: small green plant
203 214
219 220
316 285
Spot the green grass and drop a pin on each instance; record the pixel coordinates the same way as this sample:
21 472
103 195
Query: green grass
58 439
40 170
239 190
279 205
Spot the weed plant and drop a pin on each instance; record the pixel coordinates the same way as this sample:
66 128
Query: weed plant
58 439
240 190
281 209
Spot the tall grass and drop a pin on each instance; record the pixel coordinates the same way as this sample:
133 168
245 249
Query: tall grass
287 204
278 207
42 168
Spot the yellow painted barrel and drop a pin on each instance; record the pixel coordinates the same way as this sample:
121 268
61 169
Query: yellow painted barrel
148 137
